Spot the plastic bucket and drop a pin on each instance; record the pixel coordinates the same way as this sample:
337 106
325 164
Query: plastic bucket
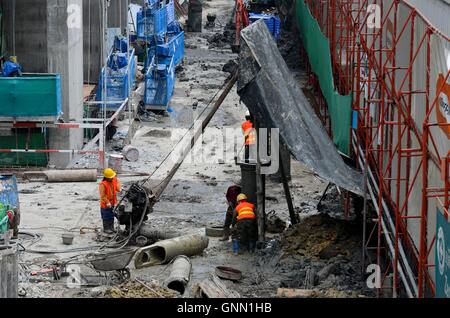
115 162
131 153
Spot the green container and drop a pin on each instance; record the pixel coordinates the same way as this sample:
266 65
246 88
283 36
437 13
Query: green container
31 97
23 140
4 226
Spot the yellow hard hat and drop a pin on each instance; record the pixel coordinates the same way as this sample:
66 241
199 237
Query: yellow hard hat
109 173
13 59
241 197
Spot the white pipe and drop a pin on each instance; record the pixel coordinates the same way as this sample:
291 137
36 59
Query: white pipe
387 213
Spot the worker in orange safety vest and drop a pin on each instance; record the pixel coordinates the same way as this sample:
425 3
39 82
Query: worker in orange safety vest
244 225
249 136
108 189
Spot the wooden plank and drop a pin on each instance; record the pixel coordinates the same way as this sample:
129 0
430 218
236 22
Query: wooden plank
295 293
8 273
213 287
3 275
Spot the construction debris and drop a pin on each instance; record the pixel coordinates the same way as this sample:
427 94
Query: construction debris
274 224
296 293
138 289
213 287
320 236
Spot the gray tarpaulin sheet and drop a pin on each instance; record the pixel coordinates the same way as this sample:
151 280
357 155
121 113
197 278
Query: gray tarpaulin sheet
271 93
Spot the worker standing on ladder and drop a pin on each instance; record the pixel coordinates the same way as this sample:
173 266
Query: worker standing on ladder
108 189
244 225
249 137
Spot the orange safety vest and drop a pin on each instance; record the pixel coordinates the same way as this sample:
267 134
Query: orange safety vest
249 133
245 211
108 192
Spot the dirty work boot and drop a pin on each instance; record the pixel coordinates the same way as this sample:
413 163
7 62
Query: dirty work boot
251 247
107 227
226 236
111 225
235 247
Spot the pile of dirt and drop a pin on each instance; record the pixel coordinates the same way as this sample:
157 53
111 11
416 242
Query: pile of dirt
222 40
135 289
324 254
321 236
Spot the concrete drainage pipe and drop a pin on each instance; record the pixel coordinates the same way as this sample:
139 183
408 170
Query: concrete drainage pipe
180 274
164 251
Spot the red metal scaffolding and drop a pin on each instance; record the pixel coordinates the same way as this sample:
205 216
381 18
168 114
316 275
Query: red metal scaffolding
387 69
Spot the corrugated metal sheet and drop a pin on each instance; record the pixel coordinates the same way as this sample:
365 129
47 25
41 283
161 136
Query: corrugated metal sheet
435 11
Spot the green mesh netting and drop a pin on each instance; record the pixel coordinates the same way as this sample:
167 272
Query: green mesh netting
318 49
21 141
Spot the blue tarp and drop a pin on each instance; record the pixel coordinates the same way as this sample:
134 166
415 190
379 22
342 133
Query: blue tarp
117 61
9 68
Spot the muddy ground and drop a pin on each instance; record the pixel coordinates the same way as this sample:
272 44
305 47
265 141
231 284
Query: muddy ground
320 253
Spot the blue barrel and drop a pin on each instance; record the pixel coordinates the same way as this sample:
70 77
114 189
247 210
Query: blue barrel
9 196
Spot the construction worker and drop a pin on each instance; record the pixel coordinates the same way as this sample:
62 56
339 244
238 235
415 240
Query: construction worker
231 196
11 68
244 225
108 189
249 136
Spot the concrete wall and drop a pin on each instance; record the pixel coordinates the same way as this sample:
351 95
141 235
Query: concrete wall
44 43
436 11
30 27
117 14
93 28
92 34
65 56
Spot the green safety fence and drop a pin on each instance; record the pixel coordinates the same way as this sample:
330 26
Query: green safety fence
22 140
318 49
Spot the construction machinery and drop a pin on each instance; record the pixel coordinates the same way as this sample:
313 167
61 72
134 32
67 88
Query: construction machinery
163 36
118 76
134 207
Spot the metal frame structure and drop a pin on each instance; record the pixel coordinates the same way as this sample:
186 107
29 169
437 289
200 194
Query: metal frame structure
71 125
393 148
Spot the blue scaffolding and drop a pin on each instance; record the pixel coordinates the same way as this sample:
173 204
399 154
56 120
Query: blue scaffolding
158 27
119 75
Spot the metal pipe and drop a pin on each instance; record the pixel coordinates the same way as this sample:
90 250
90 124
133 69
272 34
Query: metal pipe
164 251
180 274
196 134
287 193
387 230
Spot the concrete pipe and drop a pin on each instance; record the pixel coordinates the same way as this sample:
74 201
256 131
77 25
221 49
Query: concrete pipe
130 153
155 234
164 251
180 274
84 175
